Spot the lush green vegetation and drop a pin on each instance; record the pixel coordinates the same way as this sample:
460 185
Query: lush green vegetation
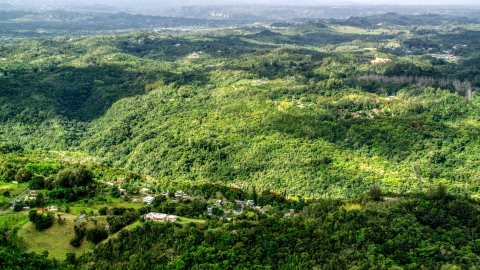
434 230
356 140
236 109
426 231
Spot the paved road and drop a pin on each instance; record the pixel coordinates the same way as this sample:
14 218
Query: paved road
18 196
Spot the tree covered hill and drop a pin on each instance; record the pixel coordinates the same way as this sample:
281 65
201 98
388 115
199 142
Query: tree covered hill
242 106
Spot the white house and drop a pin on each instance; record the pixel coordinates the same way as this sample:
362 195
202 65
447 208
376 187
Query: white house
144 190
172 218
156 216
160 217
148 200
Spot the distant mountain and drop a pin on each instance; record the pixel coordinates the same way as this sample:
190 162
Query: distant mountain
157 4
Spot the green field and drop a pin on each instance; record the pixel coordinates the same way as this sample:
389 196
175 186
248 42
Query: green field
56 239
13 220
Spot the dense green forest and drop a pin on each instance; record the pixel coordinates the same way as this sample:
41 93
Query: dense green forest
328 144
253 108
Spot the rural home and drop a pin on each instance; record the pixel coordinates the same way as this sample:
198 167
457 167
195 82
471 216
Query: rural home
144 190
172 218
148 200
160 217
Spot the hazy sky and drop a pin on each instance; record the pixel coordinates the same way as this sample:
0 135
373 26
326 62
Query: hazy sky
166 3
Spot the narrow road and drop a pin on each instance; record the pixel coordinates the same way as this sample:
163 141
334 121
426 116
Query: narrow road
18 196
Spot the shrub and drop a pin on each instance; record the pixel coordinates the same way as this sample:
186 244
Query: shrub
96 235
375 193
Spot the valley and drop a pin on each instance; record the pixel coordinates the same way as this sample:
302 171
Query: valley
307 144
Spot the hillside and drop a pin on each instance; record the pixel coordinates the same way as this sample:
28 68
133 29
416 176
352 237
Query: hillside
307 144
263 108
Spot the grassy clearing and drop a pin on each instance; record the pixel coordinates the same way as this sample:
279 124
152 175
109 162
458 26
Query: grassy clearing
200 223
355 30
14 189
56 240
14 220
76 210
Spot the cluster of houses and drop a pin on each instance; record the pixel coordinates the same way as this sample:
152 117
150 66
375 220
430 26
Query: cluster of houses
32 195
161 217
148 199
446 56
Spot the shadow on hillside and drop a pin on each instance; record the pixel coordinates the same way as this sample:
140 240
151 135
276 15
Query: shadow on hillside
81 94
170 49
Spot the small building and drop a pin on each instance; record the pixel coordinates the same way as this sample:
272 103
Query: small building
179 193
238 202
83 216
209 209
156 216
172 218
135 200
144 190
238 212
122 190
15 182
148 200
251 203
287 215
26 208
160 217
33 193
218 203
52 208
